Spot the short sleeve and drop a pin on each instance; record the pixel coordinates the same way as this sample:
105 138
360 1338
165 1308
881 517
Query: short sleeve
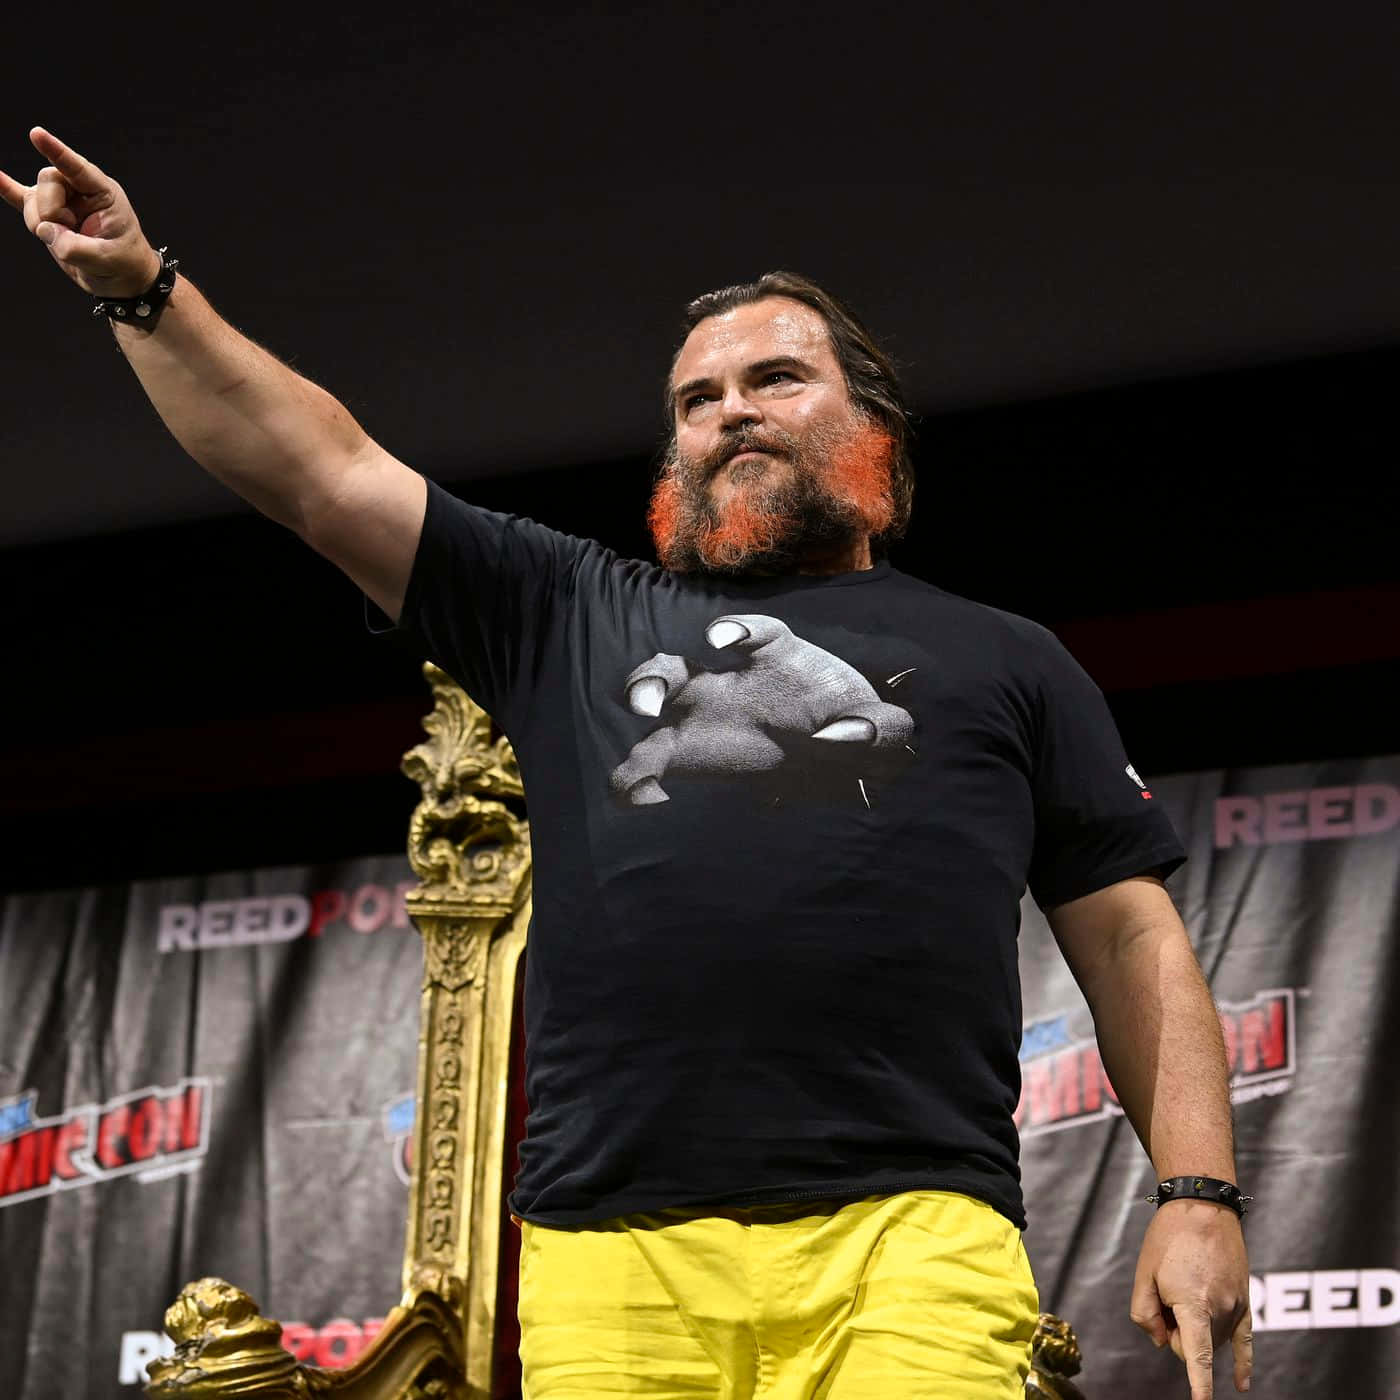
1096 821
484 599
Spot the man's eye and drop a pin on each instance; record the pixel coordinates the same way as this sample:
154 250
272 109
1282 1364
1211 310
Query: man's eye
695 400
775 375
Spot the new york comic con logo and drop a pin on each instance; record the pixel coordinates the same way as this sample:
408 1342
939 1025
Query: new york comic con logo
1064 1084
150 1133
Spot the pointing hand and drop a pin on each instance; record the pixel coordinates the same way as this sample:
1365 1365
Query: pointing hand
85 220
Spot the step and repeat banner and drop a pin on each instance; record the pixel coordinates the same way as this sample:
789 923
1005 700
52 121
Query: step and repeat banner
215 1076
1292 898
202 1076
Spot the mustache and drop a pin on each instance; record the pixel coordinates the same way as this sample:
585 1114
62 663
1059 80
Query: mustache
746 440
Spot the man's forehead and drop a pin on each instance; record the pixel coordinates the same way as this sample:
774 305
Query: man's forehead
759 330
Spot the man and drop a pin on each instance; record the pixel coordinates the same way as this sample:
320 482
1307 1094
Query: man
784 801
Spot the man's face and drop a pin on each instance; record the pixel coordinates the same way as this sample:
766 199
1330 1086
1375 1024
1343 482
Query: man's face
772 462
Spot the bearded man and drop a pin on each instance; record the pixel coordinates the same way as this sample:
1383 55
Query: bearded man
784 802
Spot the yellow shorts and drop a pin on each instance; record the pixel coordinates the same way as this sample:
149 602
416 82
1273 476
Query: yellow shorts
920 1294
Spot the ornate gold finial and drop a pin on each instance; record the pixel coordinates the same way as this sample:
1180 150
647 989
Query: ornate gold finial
223 1345
1055 1357
469 843
464 843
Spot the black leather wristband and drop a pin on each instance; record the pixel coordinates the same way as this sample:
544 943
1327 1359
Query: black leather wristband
1201 1188
142 310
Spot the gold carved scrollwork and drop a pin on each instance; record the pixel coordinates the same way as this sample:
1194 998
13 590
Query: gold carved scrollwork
440 1230
453 954
223 1345
1055 1357
470 846
439 1236
445 1113
442 1282
464 842
450 1024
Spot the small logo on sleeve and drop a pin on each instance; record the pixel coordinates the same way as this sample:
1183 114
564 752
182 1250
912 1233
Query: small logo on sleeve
1133 774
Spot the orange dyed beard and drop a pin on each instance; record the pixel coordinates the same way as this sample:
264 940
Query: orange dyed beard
859 474
840 490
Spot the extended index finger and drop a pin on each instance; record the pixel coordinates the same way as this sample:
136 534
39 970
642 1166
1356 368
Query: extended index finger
82 174
1197 1350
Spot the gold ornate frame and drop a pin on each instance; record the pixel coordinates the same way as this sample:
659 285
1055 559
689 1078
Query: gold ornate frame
469 845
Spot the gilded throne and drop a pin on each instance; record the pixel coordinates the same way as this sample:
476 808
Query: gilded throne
453 1335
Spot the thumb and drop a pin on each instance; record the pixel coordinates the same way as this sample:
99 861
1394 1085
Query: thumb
1146 1311
51 230
70 248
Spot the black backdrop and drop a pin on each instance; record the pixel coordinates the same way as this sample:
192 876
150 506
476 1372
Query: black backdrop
1218 551
476 225
476 222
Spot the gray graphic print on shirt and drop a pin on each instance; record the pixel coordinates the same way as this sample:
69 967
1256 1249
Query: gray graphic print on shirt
787 707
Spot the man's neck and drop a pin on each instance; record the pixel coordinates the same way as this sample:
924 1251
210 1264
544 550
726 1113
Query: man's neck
848 558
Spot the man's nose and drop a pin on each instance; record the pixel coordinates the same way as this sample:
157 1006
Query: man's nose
737 408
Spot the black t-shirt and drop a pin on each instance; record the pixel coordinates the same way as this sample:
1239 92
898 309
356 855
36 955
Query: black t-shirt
781 831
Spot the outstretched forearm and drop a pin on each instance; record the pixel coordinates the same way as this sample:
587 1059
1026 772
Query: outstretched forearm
275 438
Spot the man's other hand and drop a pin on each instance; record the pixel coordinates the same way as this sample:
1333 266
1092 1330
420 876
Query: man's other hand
85 220
1191 1291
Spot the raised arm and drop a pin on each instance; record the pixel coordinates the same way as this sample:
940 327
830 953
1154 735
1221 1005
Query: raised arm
278 440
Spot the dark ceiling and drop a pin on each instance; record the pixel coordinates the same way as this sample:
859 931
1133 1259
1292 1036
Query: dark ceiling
476 224
1140 272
